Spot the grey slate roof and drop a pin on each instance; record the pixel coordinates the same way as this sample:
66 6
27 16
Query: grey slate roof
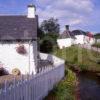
66 34
18 28
78 32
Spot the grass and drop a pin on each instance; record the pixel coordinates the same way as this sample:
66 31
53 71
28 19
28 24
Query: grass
84 59
65 90
96 45
97 36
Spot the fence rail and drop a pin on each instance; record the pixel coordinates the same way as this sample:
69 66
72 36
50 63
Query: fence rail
35 87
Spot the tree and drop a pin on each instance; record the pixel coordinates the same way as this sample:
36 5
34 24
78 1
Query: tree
48 34
46 44
50 26
40 34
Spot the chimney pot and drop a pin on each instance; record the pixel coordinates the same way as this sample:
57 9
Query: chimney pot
67 27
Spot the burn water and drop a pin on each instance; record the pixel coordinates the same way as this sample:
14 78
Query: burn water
89 86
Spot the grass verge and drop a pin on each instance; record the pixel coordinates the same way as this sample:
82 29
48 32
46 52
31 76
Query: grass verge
96 45
82 58
76 56
65 90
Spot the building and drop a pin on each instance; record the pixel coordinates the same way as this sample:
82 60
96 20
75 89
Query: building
18 42
90 38
66 39
80 36
83 37
69 38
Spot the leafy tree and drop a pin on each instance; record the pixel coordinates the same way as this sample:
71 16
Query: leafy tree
50 26
46 44
40 34
48 34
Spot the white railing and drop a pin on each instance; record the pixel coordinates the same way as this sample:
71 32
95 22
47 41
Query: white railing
35 87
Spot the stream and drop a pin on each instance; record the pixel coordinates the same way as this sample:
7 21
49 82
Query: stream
89 86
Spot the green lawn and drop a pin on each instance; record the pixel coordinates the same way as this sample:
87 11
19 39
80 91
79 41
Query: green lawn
84 59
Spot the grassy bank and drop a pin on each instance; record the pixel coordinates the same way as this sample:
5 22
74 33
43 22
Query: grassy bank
65 90
96 45
82 58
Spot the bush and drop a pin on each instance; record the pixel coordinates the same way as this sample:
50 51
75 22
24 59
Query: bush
46 46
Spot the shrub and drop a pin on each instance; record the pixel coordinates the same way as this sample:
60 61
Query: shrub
46 46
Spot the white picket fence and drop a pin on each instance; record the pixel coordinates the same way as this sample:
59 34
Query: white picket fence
34 87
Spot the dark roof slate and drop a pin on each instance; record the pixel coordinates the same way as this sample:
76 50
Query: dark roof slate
18 28
79 32
66 34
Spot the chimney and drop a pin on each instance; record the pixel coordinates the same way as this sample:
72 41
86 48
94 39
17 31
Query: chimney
31 11
67 27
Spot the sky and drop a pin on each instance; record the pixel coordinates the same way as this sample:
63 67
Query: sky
79 14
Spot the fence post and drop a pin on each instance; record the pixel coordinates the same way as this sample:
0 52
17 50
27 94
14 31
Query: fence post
14 86
5 89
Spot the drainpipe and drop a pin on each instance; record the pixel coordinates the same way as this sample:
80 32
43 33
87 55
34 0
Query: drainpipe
29 55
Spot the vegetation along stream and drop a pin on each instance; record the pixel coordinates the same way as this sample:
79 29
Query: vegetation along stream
82 82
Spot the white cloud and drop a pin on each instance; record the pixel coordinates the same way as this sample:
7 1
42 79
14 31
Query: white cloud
71 12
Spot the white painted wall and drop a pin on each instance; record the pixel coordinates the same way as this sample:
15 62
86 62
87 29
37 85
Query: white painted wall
63 43
89 40
82 39
92 41
79 39
56 61
11 59
38 86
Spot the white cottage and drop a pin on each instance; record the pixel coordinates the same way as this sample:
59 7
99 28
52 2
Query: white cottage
18 42
66 39
83 37
80 36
